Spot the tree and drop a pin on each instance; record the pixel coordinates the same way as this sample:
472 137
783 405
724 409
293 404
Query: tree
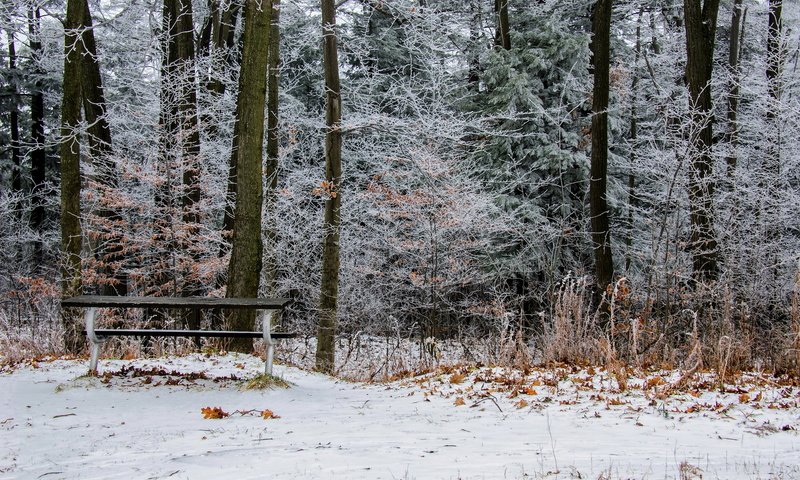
502 38
272 146
38 154
700 18
244 268
601 235
329 290
71 237
734 48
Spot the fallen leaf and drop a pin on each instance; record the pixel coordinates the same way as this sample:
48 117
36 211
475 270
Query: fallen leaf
267 414
213 413
459 401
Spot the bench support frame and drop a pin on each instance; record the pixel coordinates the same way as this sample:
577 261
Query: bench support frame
265 316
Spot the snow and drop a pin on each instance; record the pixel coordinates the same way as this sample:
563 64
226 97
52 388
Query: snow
559 422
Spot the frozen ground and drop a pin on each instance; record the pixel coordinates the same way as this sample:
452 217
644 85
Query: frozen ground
453 423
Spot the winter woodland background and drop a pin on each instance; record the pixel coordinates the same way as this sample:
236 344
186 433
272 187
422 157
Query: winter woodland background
465 187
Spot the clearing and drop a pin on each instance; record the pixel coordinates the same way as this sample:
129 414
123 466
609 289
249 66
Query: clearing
145 421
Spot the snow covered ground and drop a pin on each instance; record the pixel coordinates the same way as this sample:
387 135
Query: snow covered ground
145 422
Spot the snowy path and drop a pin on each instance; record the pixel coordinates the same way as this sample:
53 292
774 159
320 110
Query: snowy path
55 424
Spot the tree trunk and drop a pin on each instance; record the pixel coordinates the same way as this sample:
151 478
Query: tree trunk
16 156
329 291
633 137
502 36
701 23
775 59
245 264
732 134
100 152
38 155
70 174
187 111
601 236
273 79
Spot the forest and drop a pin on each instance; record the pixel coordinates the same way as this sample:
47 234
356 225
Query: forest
538 181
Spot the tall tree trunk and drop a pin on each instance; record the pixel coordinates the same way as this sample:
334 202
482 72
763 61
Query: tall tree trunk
70 173
732 133
775 59
329 291
224 40
601 236
273 79
633 138
168 149
245 265
474 71
100 151
700 18
187 112
16 156
38 155
502 36
771 175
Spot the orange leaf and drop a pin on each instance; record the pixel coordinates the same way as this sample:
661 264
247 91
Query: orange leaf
459 401
744 398
529 391
213 413
457 378
521 404
267 414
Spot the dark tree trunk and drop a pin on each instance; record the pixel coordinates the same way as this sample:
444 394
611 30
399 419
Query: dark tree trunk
502 36
700 18
245 265
70 174
187 111
775 58
329 291
732 134
272 148
601 236
100 152
38 155
16 156
633 137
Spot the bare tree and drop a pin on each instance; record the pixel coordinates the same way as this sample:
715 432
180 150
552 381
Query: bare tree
70 171
245 265
700 18
329 292
601 235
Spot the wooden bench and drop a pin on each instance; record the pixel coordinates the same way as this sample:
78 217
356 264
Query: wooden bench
98 335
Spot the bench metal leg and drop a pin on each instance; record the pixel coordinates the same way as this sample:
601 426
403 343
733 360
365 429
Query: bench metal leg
266 320
89 317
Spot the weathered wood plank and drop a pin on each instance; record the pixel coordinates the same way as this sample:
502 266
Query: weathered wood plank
103 332
175 302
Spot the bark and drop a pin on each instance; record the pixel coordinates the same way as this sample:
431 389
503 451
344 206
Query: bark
37 155
732 134
100 151
245 264
224 39
775 59
329 291
633 137
16 172
502 37
700 19
273 79
601 236
187 111
70 174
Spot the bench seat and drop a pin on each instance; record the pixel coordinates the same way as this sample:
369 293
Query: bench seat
118 332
